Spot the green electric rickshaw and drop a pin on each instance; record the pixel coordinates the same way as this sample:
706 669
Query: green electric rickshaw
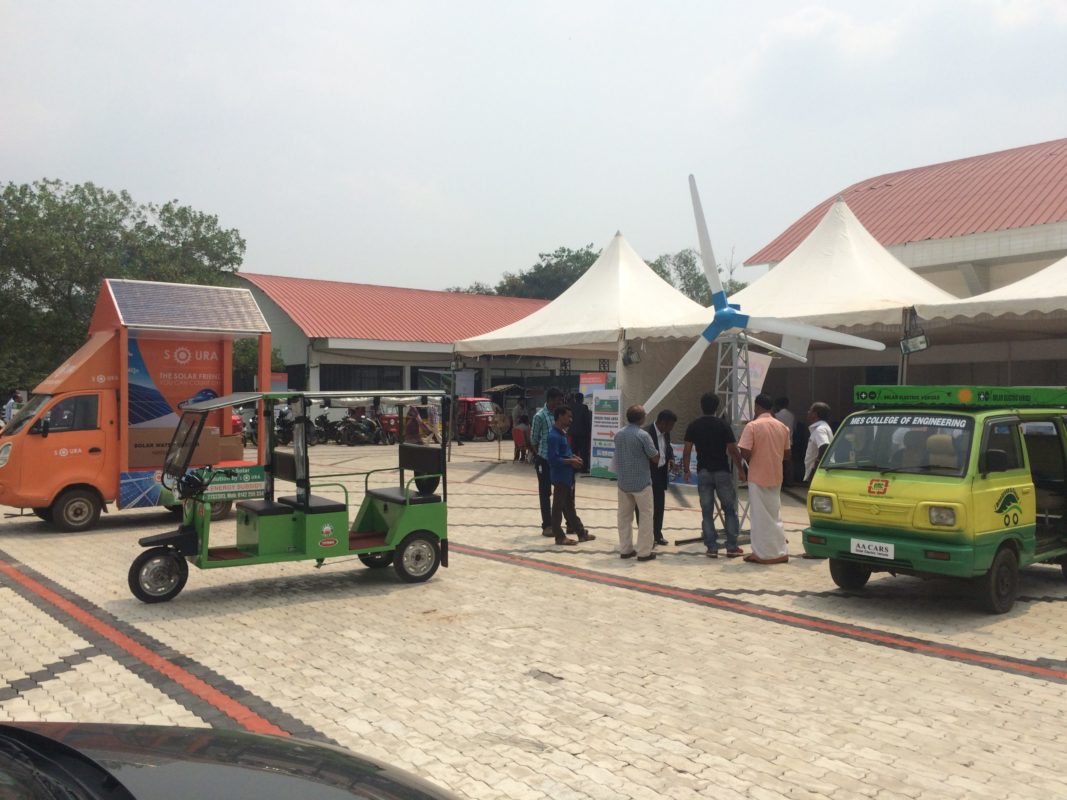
403 525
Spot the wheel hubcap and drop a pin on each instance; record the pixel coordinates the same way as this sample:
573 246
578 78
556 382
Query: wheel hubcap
418 558
77 512
159 575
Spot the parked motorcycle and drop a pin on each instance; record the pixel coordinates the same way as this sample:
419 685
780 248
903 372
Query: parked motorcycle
326 429
250 431
361 430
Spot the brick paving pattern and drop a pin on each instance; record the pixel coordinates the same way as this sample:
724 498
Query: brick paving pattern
519 672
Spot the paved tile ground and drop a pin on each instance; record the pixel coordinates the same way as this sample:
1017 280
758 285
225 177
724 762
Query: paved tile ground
529 671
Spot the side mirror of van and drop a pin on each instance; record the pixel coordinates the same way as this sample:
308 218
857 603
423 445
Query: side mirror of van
994 461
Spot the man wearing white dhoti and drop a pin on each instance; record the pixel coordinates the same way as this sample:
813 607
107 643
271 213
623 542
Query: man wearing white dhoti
764 444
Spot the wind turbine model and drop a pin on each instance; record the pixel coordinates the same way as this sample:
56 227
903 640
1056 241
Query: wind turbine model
729 317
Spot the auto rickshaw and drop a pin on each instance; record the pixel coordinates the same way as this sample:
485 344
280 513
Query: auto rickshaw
474 418
404 525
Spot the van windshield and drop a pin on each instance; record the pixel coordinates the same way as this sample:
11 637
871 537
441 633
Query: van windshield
23 416
918 442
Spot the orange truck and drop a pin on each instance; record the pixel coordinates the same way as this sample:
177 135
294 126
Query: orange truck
96 430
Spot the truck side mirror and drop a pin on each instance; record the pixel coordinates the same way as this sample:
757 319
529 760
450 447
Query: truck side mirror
44 427
994 461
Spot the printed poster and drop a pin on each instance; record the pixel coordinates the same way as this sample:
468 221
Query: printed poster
606 423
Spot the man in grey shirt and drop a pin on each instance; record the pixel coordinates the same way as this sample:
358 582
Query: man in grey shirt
634 456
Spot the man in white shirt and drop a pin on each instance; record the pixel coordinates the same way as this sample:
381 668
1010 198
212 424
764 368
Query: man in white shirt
819 436
782 413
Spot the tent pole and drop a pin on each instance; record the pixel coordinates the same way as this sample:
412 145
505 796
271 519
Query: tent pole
902 370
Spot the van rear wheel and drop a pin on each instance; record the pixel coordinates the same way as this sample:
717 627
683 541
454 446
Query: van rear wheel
848 574
997 589
76 510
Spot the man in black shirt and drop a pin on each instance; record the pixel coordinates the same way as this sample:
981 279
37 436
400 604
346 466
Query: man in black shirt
716 448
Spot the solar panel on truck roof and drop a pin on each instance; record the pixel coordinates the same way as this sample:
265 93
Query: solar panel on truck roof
186 307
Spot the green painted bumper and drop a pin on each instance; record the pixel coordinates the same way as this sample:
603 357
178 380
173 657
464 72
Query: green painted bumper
909 553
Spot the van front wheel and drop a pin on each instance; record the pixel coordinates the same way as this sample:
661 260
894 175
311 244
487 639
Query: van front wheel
76 510
848 574
997 589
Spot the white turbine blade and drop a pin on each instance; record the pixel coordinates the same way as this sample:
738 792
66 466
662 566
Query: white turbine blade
776 349
681 369
790 328
796 344
718 296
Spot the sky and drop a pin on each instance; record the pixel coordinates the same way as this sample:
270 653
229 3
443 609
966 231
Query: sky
432 144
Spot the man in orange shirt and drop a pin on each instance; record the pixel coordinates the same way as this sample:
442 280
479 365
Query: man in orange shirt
764 445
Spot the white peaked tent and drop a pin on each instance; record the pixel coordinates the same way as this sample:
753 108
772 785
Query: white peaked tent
1043 293
594 316
838 276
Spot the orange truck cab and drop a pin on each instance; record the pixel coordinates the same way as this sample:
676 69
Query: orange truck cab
96 430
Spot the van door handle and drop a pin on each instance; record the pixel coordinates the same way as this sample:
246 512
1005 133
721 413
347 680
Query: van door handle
94 449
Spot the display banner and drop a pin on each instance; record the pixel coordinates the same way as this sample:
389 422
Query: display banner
606 423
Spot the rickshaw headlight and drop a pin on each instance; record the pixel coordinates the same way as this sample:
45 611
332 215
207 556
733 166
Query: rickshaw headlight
5 454
941 515
822 504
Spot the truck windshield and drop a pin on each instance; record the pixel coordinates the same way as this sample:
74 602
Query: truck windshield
25 414
911 441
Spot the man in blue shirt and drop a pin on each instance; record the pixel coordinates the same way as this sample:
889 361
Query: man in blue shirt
635 455
541 424
561 464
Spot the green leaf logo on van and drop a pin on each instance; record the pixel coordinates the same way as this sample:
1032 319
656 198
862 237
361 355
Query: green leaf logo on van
1008 505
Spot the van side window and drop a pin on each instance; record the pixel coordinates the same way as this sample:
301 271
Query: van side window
1045 450
1003 435
77 413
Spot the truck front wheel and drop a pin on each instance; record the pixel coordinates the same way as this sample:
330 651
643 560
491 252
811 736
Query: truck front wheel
848 574
997 589
76 510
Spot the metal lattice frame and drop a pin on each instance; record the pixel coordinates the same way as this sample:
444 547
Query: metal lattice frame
733 381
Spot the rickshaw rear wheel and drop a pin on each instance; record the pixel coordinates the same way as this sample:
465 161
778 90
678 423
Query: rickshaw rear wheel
376 560
157 575
418 557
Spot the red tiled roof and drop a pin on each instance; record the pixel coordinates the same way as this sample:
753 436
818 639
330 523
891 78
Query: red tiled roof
332 309
993 192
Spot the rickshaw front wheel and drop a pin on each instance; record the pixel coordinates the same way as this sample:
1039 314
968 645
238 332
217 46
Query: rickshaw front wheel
158 575
418 557
490 435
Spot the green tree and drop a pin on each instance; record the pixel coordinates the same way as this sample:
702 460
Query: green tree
246 364
58 241
551 276
475 288
685 272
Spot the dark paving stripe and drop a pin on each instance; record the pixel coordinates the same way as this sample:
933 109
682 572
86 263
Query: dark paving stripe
210 696
48 672
1032 669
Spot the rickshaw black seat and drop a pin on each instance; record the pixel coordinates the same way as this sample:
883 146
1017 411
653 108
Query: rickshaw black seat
264 508
396 495
315 504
